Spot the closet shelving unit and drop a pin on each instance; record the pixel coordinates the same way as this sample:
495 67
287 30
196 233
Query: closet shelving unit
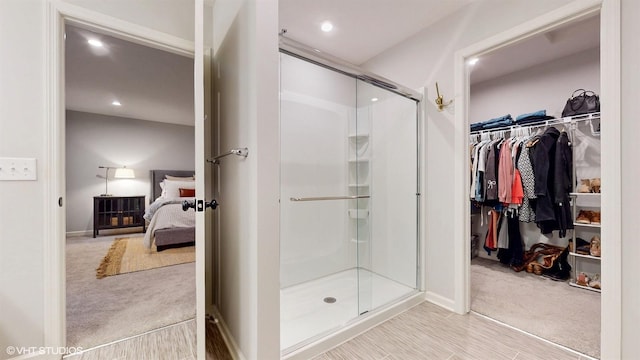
570 124
593 201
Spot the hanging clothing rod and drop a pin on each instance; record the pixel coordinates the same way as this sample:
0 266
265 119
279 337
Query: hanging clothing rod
565 120
244 152
320 198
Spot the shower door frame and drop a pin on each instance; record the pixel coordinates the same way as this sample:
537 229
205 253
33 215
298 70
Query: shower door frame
377 315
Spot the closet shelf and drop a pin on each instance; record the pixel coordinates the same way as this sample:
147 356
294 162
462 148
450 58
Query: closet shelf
584 287
584 256
587 225
585 194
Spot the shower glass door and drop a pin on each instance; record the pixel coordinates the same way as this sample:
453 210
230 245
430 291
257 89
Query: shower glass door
348 206
318 259
386 154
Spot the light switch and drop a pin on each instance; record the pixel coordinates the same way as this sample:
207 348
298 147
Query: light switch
17 169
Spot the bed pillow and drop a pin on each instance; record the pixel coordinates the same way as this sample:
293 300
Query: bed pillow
187 192
172 188
179 178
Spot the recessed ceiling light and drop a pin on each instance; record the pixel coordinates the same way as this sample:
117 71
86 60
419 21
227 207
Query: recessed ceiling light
473 61
326 26
116 103
374 99
94 42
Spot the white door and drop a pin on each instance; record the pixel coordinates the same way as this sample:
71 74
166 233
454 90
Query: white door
204 184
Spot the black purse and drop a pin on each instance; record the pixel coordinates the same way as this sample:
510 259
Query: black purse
583 103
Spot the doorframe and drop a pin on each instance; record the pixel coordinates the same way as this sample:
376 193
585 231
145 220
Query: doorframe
59 13
611 315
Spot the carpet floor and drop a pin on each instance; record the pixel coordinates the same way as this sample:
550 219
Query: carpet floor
552 310
103 310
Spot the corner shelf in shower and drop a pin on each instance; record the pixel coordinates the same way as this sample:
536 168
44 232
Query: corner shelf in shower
359 160
358 136
359 185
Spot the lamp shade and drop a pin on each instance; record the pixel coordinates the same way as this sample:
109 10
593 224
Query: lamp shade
124 173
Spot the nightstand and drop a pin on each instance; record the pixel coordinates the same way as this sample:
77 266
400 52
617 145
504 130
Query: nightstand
115 212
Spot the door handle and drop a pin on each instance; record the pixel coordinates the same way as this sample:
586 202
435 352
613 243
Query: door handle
213 204
199 205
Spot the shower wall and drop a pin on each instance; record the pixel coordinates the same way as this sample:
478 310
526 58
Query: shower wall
317 105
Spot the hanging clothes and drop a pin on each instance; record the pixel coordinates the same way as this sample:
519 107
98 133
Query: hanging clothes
505 173
563 183
543 160
527 212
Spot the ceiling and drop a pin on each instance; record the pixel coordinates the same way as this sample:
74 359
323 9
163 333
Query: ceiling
150 84
362 28
156 85
557 43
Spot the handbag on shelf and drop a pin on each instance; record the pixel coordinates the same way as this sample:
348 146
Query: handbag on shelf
583 103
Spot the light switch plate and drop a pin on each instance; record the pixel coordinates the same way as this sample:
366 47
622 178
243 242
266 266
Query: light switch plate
17 169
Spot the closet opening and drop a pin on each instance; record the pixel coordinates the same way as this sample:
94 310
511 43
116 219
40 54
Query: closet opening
534 188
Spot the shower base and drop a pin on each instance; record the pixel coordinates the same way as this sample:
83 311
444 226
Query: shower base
304 313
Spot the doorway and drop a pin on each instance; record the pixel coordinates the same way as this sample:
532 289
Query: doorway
129 108
62 14
609 78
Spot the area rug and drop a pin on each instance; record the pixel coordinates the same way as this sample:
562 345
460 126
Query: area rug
128 255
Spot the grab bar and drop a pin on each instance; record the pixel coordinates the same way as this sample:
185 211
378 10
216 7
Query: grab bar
244 152
322 198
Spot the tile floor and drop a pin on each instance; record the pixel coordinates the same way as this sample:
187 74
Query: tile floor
430 332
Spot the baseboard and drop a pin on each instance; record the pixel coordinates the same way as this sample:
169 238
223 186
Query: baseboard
440 300
233 347
79 233
106 232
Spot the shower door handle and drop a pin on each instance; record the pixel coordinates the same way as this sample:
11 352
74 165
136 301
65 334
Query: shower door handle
322 198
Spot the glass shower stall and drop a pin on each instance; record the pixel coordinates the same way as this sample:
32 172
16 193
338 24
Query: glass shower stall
349 198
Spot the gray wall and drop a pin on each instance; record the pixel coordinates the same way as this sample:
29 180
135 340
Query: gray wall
93 140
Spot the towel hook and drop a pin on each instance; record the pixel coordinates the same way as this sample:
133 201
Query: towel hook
440 99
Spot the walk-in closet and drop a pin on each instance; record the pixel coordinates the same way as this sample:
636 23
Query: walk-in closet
535 186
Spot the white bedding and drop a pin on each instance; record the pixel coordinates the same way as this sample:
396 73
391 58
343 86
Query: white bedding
168 214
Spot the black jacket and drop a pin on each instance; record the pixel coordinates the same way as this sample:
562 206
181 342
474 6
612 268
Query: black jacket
543 158
563 184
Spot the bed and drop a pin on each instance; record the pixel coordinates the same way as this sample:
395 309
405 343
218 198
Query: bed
169 225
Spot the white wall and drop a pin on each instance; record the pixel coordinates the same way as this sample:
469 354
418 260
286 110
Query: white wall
246 86
173 17
422 60
93 140
630 93
542 87
316 106
23 133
